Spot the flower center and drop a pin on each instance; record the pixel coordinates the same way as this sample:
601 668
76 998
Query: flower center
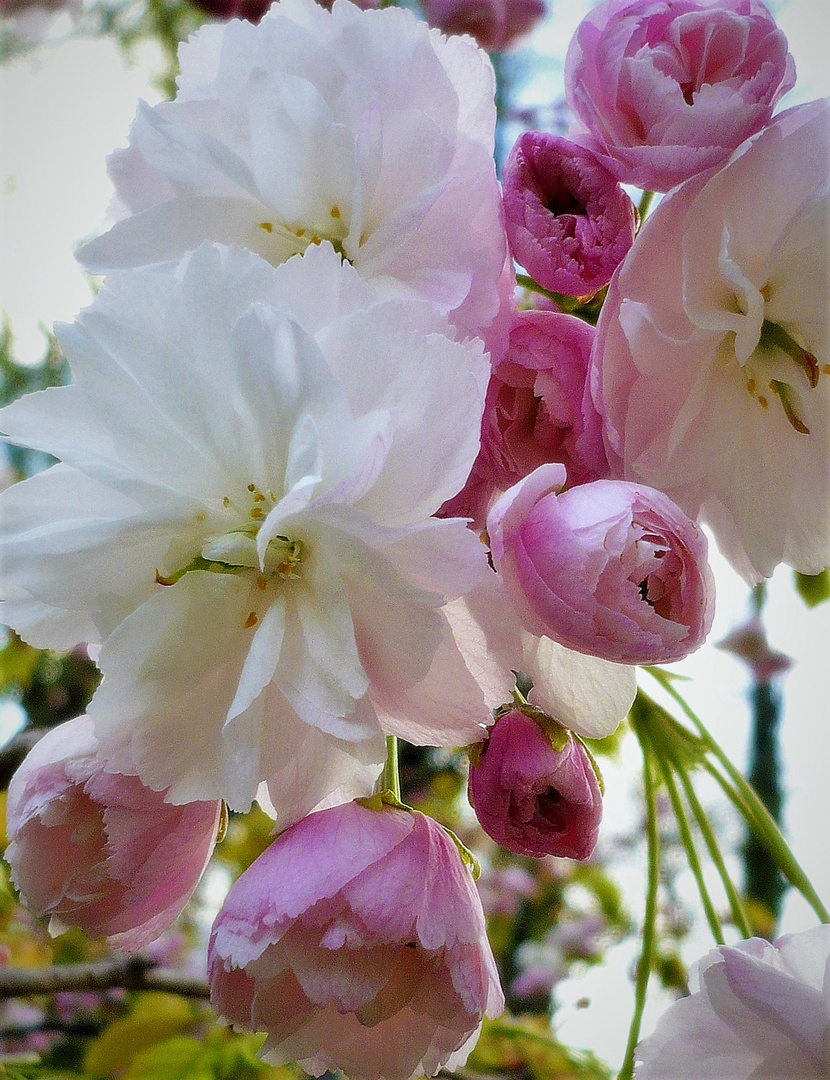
236 550
781 368
297 240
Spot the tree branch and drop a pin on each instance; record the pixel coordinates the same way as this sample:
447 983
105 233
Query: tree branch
128 973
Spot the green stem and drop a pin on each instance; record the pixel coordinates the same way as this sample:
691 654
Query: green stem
687 840
528 283
749 805
391 781
650 917
708 834
646 200
767 832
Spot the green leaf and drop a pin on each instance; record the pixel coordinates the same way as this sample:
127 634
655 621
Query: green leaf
180 1058
670 739
18 663
813 589
155 1018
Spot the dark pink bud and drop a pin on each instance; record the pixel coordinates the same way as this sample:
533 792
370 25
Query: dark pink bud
611 569
534 788
568 221
495 24
250 10
536 409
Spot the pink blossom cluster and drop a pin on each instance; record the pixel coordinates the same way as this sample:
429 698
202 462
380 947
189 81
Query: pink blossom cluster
303 396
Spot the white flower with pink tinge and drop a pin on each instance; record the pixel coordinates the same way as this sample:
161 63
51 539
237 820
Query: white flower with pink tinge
363 128
357 941
757 1011
243 518
711 363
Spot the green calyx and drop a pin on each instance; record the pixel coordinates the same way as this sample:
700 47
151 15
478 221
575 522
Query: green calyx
382 799
558 736
467 857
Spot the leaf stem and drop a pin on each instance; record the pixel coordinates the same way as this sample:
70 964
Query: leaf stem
688 842
644 206
646 961
748 804
768 833
391 780
715 854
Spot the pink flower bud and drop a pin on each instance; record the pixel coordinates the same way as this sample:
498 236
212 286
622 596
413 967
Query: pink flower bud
534 789
568 221
611 569
495 24
537 410
250 10
667 90
100 850
357 941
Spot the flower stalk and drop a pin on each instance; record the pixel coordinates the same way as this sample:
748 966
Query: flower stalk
646 961
745 800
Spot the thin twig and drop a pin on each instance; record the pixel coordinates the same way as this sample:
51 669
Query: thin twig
129 973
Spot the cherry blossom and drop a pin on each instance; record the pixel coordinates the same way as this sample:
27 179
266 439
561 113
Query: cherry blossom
534 788
242 517
363 128
665 90
569 223
608 568
711 362
357 941
755 1010
98 850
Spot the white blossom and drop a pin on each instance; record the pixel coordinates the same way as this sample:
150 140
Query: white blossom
364 128
712 354
242 517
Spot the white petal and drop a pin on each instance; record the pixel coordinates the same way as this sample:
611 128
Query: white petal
66 574
262 659
311 771
446 708
585 694
171 672
432 388
166 231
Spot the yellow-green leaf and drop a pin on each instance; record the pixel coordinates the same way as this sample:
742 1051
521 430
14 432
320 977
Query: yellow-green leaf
155 1018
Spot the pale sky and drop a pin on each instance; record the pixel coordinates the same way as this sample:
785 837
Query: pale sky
64 110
